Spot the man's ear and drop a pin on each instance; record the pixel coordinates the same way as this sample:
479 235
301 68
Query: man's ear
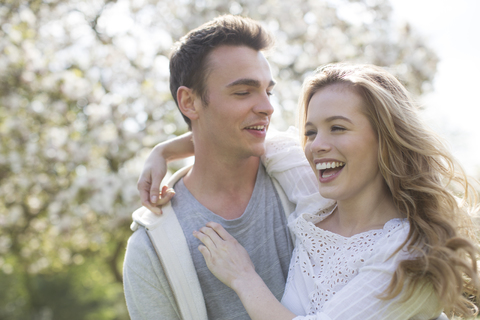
188 102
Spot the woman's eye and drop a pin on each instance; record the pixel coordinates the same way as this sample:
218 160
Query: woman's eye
270 93
310 134
337 128
243 93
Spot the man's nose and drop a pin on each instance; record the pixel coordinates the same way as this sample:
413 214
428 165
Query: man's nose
265 106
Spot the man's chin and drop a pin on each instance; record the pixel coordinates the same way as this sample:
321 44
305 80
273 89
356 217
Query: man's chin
259 151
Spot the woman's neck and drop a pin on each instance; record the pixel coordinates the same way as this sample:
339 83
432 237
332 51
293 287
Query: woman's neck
351 217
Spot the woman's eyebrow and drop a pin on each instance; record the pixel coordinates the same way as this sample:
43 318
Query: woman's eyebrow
332 118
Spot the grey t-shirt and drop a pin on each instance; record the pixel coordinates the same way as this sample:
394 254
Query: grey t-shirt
261 230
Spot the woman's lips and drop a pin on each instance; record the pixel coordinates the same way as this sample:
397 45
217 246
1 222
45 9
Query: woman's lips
329 174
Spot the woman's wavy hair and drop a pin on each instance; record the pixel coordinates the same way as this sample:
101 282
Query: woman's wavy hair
426 184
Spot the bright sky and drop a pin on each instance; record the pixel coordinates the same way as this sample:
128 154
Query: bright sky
453 109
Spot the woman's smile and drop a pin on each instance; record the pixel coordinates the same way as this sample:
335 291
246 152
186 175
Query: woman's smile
328 170
341 146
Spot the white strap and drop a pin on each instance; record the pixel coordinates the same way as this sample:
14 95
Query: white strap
171 246
172 249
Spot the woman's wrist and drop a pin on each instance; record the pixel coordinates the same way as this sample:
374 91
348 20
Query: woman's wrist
248 282
258 300
176 148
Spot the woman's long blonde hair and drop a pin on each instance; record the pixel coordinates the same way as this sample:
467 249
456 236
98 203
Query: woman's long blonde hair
420 172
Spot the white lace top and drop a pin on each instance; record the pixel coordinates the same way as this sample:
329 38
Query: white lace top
331 276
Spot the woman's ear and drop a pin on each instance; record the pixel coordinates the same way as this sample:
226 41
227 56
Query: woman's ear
188 102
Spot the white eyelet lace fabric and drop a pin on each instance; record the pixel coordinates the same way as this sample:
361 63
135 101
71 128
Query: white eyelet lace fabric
283 150
327 261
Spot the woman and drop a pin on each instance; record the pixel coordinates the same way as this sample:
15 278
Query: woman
395 244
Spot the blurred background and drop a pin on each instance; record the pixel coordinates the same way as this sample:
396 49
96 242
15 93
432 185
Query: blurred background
84 96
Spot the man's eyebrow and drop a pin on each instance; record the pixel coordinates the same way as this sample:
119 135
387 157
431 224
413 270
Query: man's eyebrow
249 82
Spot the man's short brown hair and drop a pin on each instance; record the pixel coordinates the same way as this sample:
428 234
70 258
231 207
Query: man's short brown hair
188 60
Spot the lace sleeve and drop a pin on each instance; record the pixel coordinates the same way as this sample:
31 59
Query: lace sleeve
285 161
283 151
359 299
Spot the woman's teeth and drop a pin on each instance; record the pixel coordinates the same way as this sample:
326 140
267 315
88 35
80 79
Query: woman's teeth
329 165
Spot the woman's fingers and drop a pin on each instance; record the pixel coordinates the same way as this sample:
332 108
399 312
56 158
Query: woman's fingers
156 177
204 235
143 186
165 196
148 184
205 252
213 235
220 231
224 256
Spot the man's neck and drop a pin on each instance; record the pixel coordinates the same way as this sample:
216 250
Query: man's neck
223 187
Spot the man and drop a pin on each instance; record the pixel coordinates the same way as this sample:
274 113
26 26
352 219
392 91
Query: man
221 83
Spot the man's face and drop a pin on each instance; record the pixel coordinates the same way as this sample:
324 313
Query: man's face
239 85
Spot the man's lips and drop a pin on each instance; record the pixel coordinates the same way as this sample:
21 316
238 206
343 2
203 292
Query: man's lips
258 128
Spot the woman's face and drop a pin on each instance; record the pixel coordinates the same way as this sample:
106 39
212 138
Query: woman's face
342 147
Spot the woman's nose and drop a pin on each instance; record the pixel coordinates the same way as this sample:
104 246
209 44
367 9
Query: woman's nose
320 144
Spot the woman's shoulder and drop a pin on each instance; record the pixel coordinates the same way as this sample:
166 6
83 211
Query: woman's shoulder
391 246
314 215
397 228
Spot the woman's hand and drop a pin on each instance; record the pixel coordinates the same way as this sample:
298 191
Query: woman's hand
225 257
231 264
155 169
163 198
148 184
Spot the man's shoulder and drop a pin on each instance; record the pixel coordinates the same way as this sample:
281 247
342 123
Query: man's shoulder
147 291
139 247
264 175
145 218
139 238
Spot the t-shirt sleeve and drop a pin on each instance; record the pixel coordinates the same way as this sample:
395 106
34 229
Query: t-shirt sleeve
146 288
359 299
285 161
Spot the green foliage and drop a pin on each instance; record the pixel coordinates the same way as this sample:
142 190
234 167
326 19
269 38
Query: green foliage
84 95
80 292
